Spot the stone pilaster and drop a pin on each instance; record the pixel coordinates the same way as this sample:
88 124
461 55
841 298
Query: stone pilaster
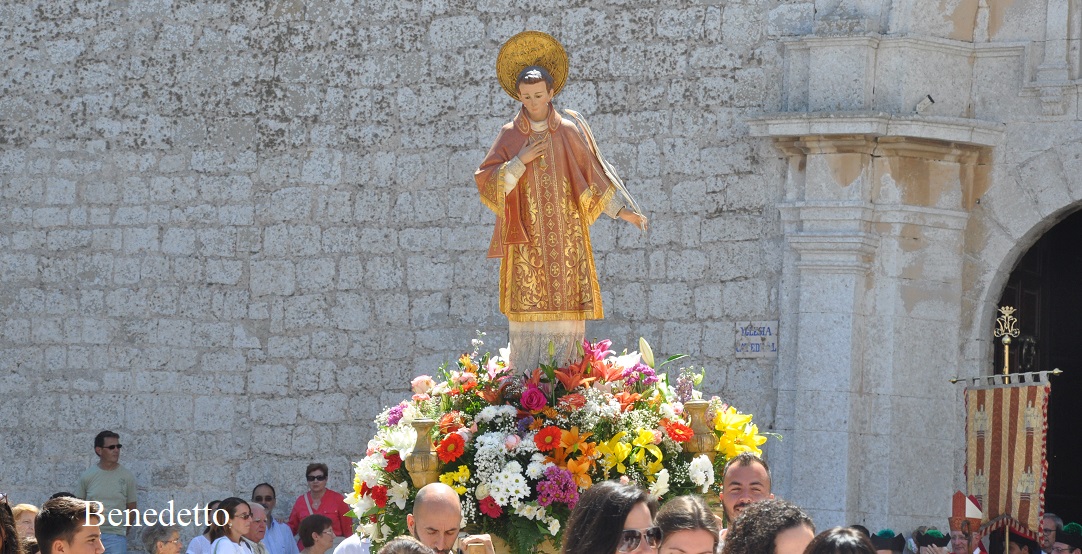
873 216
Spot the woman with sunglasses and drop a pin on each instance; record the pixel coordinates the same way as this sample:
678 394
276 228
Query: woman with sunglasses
610 518
687 527
323 501
226 535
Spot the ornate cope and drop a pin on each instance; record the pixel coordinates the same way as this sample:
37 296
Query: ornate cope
547 270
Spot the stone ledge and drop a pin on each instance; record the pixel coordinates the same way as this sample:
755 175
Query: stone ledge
946 129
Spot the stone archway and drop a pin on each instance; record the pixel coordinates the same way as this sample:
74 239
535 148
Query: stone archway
1018 227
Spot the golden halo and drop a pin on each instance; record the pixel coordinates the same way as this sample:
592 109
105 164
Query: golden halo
531 48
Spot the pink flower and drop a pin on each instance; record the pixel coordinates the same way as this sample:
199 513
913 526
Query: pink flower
421 397
511 441
489 507
422 384
533 399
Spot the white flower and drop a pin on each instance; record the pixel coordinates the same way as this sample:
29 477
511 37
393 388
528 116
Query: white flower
701 472
666 410
363 504
399 494
625 361
554 526
535 470
401 439
367 470
660 486
482 491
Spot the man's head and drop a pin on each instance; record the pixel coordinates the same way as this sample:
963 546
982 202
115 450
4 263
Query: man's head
1023 545
259 523
436 518
770 527
534 85
960 543
264 494
107 446
1068 540
745 479
1050 523
65 526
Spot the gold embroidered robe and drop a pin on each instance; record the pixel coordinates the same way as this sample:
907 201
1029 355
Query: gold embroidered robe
542 236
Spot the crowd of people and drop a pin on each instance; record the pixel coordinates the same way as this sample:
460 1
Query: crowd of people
611 517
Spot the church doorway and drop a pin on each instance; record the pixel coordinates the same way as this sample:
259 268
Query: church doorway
1046 288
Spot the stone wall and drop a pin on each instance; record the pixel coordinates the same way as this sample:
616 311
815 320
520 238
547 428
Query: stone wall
234 231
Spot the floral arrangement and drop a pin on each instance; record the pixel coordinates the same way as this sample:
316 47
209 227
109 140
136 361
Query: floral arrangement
519 449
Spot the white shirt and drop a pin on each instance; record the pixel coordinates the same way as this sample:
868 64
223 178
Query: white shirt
222 545
353 544
199 545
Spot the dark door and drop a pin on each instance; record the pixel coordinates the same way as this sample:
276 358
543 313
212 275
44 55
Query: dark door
1046 288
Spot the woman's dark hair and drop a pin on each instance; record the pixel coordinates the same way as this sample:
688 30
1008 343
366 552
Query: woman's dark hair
686 513
597 521
314 523
759 524
10 543
405 545
230 506
533 74
840 540
316 465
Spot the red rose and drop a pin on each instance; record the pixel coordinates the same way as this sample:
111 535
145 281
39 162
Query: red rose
451 447
533 399
490 508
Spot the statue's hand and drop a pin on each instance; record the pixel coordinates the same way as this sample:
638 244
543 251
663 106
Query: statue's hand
634 218
534 149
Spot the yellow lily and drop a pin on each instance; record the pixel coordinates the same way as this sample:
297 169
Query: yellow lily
645 443
614 452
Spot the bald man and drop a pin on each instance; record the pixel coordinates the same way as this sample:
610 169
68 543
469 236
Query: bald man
437 520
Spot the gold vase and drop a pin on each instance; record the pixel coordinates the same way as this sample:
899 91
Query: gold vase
703 439
422 464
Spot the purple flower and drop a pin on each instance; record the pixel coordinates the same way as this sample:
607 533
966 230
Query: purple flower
524 424
640 373
533 399
558 485
685 385
394 415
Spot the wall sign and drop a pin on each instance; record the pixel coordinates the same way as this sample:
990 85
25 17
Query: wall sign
756 339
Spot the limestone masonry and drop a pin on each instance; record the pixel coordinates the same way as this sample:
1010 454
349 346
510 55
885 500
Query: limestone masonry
233 232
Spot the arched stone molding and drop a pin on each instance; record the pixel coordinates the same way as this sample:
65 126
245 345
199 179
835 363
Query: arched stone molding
1024 202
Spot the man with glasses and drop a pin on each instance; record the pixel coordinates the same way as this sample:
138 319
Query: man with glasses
1050 524
1068 540
257 530
112 485
279 538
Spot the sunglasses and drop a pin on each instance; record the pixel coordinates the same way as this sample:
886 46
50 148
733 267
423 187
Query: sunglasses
317 478
244 516
630 538
262 499
113 447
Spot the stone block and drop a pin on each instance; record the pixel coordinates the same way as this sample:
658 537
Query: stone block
224 272
670 301
272 277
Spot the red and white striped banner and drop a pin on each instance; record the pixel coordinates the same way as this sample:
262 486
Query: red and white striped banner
1006 468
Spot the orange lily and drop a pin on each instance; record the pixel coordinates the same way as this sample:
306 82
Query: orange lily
574 376
627 400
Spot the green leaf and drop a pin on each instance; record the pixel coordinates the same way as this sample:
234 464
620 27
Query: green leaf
672 358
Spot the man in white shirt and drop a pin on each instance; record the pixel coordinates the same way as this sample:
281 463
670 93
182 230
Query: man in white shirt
258 529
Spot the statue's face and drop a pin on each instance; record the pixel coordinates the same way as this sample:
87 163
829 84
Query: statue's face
535 97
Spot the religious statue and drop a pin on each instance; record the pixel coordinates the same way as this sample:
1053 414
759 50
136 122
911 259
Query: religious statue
547 182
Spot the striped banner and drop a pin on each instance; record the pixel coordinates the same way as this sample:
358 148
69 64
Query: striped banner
1006 468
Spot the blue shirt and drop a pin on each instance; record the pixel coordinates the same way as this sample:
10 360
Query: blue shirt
279 539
